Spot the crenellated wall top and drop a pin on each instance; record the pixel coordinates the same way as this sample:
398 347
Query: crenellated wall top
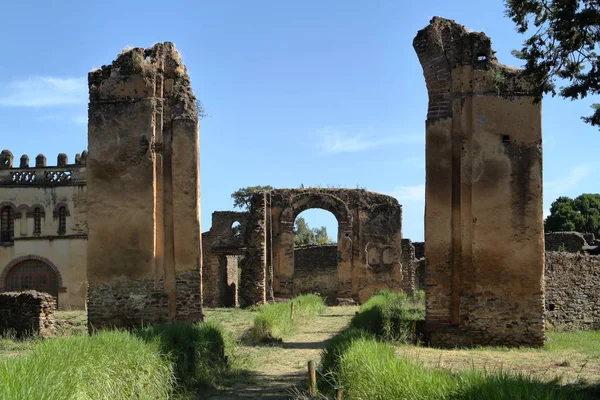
42 174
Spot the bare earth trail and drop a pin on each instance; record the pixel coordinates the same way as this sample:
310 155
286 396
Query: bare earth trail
275 369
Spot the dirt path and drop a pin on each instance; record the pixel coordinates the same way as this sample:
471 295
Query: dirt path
275 369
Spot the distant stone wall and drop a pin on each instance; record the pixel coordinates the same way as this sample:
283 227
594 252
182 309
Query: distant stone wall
315 270
570 242
572 291
27 313
408 267
419 250
315 258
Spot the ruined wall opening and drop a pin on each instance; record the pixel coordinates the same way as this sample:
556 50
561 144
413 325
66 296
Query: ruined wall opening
236 229
316 252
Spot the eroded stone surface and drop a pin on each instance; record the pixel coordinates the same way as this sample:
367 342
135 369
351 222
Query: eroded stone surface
572 290
144 247
26 314
369 251
483 222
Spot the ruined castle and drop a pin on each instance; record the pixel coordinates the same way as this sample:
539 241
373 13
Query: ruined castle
118 231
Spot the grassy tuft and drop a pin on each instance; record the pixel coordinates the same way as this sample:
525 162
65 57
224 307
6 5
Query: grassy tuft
109 365
390 316
338 345
274 321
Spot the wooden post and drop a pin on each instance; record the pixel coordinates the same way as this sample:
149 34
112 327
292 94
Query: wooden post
339 393
292 311
312 378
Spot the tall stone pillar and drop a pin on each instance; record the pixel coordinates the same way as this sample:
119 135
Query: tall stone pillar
253 285
143 196
483 220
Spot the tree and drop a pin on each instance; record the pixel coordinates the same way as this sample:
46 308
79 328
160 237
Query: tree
241 197
321 235
562 46
581 214
304 235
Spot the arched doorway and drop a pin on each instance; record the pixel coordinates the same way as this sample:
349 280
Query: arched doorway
316 253
32 273
283 243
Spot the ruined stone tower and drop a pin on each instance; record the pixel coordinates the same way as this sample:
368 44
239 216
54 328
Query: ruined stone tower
143 197
484 238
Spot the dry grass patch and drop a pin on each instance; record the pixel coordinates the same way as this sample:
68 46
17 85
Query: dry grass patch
569 357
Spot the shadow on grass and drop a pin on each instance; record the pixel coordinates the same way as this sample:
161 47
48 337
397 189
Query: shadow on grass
198 352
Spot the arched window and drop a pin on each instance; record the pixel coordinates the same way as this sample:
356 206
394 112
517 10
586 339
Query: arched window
37 221
7 225
32 275
62 220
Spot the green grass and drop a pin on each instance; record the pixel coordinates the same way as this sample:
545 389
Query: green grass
584 341
369 369
337 346
158 362
274 321
11 347
109 365
391 316
362 360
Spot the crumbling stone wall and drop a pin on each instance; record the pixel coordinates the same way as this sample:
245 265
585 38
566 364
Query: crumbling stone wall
25 314
408 267
572 290
483 194
368 243
144 247
222 248
419 250
570 242
315 270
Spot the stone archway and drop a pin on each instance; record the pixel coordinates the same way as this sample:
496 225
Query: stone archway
283 268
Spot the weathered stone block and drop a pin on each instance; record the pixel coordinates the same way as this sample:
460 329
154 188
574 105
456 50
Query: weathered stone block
25 314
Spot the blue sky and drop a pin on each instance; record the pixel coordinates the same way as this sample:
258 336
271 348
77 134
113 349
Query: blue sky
306 92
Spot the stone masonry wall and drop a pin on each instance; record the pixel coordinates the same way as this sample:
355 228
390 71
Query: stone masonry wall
144 255
570 242
572 290
483 194
219 245
27 314
369 238
408 267
315 270
252 288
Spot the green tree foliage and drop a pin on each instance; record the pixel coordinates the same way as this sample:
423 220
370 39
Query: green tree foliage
241 197
304 235
562 46
581 214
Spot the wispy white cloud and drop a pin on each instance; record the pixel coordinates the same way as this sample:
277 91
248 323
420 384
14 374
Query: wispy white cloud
570 181
335 141
79 119
415 193
566 185
40 91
